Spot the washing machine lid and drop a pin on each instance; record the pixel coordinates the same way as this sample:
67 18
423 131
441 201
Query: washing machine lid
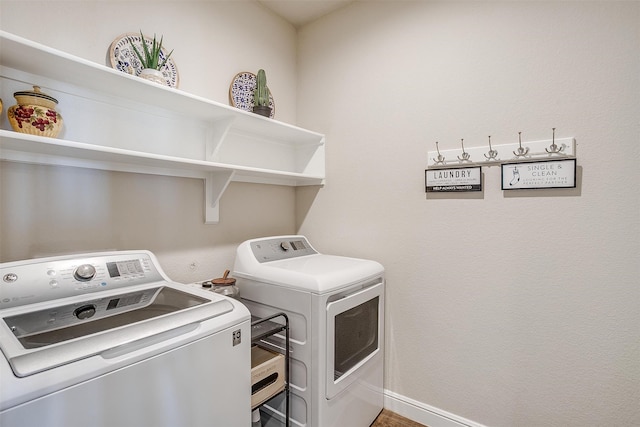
291 261
32 345
121 304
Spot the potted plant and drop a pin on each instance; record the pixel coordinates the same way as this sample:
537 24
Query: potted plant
261 95
151 60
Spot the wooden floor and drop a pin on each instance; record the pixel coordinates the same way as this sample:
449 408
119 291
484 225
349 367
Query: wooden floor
391 419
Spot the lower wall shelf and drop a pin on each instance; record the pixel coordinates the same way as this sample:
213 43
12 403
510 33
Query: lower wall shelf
26 148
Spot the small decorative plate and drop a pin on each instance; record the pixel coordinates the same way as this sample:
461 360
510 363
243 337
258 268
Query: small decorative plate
123 57
241 92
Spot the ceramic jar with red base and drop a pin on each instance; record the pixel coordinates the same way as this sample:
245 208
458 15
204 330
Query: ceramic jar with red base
35 114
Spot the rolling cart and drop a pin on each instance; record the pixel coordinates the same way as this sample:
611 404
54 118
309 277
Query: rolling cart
262 328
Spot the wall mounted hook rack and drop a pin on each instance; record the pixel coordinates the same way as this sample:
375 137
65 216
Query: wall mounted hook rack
488 156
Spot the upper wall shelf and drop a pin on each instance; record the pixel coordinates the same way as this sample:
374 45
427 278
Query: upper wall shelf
115 121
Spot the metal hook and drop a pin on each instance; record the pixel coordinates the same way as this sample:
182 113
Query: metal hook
521 151
440 160
465 155
491 153
553 148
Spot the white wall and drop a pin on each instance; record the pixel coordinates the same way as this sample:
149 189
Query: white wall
508 309
41 213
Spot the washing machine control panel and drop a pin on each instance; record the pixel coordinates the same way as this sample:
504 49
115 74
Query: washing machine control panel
38 280
281 248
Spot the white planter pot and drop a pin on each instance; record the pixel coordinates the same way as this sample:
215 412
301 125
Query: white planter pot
153 75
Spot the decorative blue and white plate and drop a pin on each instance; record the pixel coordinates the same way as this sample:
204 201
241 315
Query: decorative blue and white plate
123 57
241 92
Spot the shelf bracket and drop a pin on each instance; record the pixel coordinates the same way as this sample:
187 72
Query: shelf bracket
215 185
217 133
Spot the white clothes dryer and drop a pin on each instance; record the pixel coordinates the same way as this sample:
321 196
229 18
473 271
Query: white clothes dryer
335 306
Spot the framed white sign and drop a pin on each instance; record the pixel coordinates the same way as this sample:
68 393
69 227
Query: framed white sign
453 179
537 175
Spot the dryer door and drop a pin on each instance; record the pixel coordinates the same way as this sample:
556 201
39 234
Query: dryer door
354 330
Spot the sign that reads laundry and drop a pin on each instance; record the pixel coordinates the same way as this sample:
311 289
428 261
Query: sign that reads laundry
535 175
453 180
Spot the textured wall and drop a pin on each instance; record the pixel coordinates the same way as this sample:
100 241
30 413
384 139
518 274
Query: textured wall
508 309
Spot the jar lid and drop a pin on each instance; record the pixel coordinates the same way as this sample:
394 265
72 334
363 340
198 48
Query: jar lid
35 93
224 281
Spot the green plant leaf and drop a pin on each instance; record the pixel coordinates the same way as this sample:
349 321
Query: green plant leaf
147 55
135 50
151 57
165 59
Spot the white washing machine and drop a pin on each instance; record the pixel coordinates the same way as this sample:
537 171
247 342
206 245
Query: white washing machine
335 307
106 339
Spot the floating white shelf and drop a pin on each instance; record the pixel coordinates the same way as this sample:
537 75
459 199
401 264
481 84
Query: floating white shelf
115 121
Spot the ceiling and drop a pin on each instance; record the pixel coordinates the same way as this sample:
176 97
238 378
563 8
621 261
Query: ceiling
301 12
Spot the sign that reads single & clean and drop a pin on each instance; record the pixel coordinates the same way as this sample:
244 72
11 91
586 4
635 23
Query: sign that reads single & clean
453 180
536 175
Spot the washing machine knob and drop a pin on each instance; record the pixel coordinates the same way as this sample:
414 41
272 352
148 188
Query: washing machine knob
85 311
85 272
285 246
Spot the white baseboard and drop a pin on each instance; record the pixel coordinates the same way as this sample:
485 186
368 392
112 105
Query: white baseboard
423 413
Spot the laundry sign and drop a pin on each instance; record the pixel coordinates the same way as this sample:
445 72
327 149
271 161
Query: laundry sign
453 179
535 175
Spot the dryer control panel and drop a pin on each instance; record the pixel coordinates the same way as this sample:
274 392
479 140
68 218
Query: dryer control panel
281 248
